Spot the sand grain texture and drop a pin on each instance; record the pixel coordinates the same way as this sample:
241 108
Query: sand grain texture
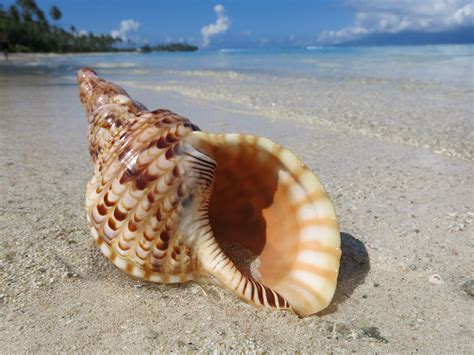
406 213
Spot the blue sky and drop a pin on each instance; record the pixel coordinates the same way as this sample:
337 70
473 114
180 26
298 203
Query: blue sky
272 23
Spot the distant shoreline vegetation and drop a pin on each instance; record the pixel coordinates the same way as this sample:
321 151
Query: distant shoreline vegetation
25 28
171 47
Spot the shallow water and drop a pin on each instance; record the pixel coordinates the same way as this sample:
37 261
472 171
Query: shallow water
416 95
450 65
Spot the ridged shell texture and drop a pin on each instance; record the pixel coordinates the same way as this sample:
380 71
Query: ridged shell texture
169 203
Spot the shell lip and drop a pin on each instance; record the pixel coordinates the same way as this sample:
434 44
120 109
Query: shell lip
308 287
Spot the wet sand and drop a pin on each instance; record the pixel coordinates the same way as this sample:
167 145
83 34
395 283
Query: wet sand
405 212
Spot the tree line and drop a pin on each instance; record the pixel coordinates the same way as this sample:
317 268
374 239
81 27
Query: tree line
24 27
170 47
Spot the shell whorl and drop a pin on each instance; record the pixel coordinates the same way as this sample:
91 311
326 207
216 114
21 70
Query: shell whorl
140 183
166 199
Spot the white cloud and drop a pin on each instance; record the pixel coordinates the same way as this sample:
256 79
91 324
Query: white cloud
221 26
397 16
126 26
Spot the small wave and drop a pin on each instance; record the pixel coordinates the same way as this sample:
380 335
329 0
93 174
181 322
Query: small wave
212 73
313 48
234 50
116 65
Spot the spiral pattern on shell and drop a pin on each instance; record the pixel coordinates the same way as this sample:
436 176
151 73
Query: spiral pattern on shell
169 203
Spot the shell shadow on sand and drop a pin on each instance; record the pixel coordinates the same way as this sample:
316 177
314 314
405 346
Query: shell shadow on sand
355 264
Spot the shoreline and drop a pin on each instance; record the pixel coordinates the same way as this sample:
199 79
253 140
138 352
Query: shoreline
355 122
428 115
405 215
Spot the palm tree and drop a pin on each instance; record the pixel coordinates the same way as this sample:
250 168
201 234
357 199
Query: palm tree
55 13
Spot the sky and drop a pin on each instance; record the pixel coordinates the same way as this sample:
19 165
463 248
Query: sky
271 23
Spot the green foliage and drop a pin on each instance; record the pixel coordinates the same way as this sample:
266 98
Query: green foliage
55 13
146 49
25 28
171 47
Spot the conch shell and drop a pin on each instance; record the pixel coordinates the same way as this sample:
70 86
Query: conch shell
169 203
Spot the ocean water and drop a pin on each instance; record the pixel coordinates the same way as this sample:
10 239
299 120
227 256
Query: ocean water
415 95
451 65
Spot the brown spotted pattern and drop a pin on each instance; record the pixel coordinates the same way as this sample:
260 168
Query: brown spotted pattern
135 197
165 201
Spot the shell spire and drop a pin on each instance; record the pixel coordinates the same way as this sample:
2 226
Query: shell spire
169 203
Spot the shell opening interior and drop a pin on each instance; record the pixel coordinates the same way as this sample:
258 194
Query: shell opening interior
251 214
273 219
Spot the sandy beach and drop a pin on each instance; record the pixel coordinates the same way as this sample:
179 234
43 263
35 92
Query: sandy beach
396 157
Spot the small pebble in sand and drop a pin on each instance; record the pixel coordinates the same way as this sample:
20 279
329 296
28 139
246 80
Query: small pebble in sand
374 332
151 334
435 279
468 288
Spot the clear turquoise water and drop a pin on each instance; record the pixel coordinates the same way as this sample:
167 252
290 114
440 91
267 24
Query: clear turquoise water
451 65
417 95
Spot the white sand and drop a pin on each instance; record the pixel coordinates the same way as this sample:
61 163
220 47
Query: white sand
406 213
